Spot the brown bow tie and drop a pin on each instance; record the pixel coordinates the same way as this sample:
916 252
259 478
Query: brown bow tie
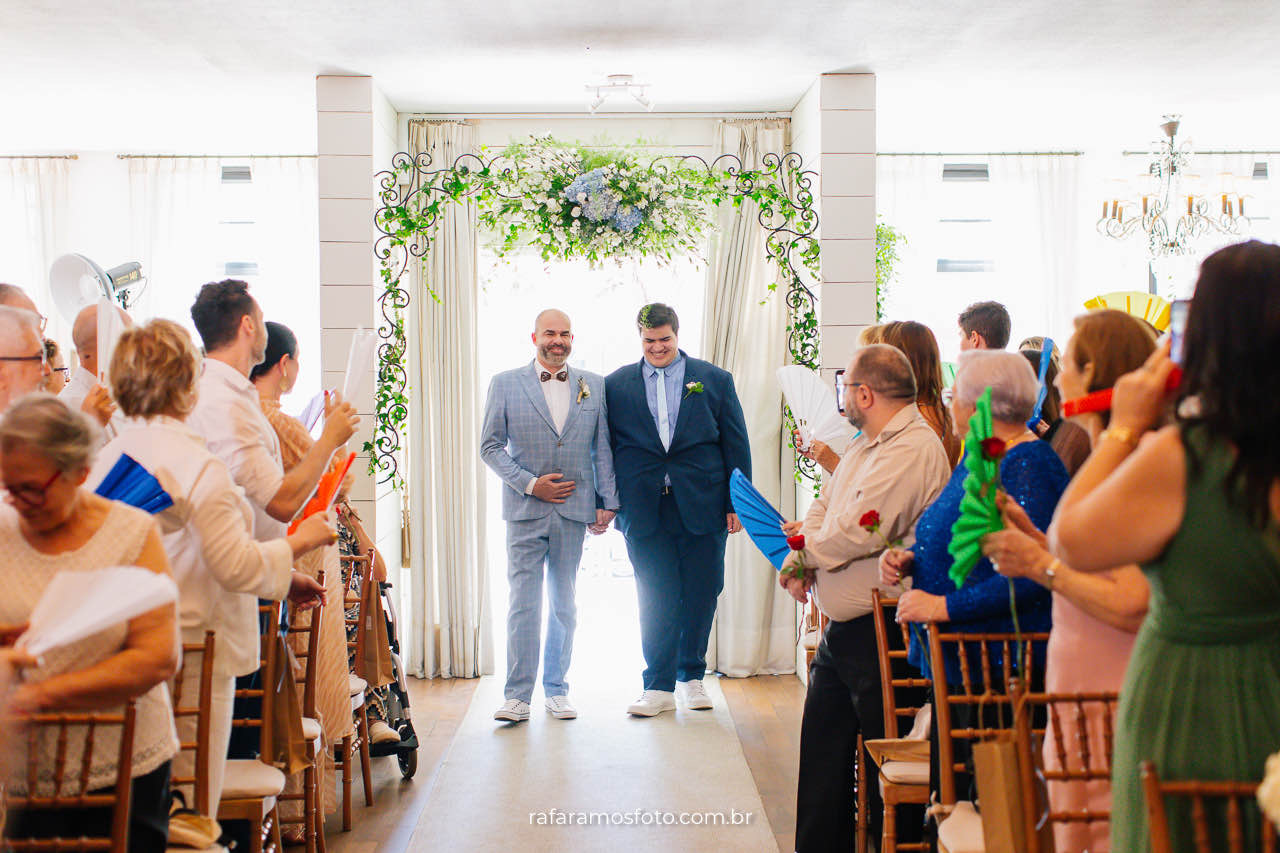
562 376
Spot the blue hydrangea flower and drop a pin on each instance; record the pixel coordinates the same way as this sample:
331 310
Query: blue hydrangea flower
600 205
627 218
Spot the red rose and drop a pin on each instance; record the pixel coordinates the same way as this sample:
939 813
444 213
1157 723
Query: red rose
796 543
870 521
993 448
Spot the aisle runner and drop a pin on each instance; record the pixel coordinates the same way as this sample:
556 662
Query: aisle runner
499 785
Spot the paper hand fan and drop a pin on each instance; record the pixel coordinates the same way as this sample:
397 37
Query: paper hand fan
76 605
1135 303
762 522
1046 356
364 347
813 405
310 416
978 513
325 492
130 483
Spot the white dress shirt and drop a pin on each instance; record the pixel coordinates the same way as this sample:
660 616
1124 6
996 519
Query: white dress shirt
230 419
220 570
897 474
555 392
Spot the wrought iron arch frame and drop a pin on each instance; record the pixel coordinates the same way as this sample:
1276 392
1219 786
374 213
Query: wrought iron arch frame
406 189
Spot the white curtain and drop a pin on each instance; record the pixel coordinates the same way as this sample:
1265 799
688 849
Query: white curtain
754 631
187 226
450 634
1026 221
34 205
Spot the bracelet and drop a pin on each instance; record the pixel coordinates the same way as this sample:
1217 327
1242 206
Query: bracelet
1051 573
1119 433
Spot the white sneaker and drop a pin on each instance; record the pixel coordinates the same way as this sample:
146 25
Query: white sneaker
652 703
380 732
695 695
560 708
513 711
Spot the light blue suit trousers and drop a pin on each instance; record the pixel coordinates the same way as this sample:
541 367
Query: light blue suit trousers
555 542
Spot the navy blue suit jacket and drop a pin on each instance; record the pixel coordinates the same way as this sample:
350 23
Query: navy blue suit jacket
709 441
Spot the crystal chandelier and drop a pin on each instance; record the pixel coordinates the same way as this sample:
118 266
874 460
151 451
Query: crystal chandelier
1168 229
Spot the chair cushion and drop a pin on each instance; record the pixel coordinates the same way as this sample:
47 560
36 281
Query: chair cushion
356 684
249 778
311 728
961 831
906 772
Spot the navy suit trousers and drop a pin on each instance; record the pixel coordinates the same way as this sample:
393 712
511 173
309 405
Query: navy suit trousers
679 576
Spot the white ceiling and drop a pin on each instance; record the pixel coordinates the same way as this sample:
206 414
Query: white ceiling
233 76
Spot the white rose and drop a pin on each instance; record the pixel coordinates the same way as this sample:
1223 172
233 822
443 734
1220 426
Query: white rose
1269 790
577 211
582 197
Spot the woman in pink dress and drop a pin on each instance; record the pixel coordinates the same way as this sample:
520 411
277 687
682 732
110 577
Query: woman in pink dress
1096 616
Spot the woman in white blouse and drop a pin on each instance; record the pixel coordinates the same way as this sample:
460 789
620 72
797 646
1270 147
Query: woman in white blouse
49 524
220 569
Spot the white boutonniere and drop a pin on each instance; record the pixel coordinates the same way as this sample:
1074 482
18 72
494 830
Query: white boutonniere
691 388
583 391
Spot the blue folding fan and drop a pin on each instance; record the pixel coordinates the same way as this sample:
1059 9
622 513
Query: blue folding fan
762 522
1046 356
130 483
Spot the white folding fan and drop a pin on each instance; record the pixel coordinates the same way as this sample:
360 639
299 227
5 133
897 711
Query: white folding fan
813 405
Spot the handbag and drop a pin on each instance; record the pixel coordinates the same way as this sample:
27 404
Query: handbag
375 666
288 743
1000 792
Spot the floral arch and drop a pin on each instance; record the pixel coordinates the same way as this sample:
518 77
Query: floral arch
570 201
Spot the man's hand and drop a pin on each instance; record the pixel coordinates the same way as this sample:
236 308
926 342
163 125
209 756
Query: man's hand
340 420
603 519
305 592
894 563
798 588
98 405
732 521
791 528
553 488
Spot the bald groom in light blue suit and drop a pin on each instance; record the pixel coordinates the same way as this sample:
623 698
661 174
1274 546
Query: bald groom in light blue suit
546 435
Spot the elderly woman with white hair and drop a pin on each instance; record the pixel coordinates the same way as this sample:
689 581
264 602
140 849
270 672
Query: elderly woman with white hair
1030 473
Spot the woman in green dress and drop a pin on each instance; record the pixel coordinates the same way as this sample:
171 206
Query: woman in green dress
1197 504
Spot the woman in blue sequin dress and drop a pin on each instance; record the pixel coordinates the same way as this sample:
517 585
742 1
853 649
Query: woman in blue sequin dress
1031 473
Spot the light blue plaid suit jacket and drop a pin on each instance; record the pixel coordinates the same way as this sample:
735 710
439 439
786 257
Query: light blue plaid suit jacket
519 442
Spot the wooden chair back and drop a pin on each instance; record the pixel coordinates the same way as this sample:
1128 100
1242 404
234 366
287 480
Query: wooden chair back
896 714
306 625
357 625
196 706
1224 799
70 779
1083 728
269 618
991 687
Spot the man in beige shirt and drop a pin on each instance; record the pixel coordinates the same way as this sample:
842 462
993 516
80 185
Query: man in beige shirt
896 469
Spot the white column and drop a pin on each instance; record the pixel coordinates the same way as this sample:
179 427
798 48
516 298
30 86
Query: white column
355 139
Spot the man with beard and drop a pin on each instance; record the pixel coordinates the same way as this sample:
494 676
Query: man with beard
546 435
895 469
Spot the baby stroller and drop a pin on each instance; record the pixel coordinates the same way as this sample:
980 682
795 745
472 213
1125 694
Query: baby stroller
388 704
392 701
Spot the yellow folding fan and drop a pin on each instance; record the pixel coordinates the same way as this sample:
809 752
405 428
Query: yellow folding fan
1145 306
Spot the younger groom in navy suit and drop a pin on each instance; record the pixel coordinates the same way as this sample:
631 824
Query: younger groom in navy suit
677 431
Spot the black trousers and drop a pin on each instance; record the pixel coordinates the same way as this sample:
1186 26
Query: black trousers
148 817
679 576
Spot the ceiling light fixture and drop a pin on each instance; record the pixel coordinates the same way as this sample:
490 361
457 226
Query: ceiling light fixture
618 83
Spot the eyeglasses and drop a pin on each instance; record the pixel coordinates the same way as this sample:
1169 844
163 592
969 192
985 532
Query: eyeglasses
39 357
841 389
65 371
34 496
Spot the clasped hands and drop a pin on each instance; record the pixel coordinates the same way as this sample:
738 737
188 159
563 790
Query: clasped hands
914 605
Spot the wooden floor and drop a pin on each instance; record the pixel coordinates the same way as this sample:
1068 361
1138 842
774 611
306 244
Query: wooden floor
766 713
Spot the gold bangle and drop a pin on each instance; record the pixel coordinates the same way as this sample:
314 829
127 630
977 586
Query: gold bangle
1124 434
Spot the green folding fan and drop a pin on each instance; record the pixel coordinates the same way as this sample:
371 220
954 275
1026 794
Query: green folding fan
978 512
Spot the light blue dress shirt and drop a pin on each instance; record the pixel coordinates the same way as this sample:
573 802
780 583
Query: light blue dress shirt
674 384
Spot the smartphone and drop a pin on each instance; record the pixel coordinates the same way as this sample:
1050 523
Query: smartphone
1177 328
